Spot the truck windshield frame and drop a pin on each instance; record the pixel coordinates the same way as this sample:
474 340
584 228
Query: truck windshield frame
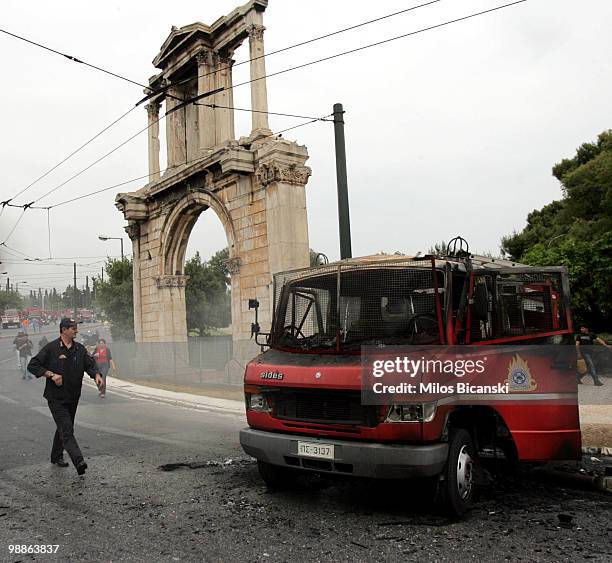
343 307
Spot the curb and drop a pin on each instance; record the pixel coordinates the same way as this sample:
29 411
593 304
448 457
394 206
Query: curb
175 398
603 451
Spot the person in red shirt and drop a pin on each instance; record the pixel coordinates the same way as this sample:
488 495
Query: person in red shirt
105 362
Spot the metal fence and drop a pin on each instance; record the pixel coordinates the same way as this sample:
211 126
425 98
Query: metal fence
200 362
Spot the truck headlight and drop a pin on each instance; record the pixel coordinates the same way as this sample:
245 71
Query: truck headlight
424 412
257 401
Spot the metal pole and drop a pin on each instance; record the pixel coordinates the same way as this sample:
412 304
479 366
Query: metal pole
74 293
121 249
344 219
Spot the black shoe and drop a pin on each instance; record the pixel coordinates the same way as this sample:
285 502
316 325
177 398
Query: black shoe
81 467
598 383
60 462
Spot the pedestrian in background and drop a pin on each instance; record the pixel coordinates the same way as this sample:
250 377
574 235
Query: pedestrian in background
62 363
105 362
24 346
42 343
584 342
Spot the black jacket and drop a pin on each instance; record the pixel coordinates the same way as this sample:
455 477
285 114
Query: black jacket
70 363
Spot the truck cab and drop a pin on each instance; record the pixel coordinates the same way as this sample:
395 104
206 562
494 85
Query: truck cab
304 395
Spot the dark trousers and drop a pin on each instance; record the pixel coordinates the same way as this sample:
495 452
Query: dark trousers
63 414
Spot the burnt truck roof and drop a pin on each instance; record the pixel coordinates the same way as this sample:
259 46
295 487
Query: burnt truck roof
401 260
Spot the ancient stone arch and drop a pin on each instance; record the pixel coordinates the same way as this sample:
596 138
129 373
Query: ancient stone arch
255 185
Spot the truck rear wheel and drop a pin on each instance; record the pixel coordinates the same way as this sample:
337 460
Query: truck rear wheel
458 487
275 477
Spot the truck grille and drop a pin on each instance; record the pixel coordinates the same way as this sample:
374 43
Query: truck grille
323 407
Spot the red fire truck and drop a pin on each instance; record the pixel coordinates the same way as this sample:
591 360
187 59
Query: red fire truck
304 395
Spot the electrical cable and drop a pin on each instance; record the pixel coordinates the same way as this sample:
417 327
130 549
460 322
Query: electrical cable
74 59
14 227
73 153
49 229
200 96
95 162
301 44
194 99
351 51
148 88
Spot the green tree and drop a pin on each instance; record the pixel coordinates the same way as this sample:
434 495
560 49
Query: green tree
576 231
207 294
10 300
115 296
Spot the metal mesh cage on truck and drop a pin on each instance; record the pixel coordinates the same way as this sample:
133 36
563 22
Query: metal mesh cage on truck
342 306
519 303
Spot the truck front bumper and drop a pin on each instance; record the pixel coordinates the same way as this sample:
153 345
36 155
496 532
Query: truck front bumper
377 460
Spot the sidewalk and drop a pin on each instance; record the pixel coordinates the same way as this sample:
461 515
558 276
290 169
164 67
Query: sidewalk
175 398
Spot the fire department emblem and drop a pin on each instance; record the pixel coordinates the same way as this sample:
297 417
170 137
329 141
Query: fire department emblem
519 376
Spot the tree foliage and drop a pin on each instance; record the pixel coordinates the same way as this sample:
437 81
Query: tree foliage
207 294
115 296
576 231
10 300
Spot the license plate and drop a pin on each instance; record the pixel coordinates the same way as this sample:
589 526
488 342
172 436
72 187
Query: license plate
314 449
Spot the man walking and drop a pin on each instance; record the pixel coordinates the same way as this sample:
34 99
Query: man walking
584 341
62 362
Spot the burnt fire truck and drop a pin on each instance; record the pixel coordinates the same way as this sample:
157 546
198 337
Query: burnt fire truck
303 394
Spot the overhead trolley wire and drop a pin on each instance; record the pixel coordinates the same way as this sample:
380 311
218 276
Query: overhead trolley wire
74 59
351 51
106 128
300 44
337 55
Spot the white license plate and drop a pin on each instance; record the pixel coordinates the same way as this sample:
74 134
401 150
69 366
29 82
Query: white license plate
314 449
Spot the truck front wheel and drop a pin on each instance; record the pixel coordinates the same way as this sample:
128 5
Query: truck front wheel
458 487
275 477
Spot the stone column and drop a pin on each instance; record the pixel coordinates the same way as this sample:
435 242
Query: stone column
172 321
206 83
133 231
259 93
175 129
153 120
224 117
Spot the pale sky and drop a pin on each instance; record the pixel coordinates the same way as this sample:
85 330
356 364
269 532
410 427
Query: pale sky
452 131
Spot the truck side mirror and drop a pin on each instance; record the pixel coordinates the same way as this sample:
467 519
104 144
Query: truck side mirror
255 328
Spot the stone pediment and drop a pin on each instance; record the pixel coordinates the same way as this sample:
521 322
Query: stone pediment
180 38
223 32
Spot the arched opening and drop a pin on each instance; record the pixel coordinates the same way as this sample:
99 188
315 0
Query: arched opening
208 287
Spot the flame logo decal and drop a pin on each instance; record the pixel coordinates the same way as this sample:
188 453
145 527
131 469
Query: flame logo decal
519 376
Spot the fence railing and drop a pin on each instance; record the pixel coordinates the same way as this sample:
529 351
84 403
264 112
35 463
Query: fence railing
201 361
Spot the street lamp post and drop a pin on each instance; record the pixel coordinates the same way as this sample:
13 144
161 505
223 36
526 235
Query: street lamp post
105 238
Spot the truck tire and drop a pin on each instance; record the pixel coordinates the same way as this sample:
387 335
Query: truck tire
275 477
458 485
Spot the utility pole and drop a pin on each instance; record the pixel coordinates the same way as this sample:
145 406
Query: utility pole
344 219
74 293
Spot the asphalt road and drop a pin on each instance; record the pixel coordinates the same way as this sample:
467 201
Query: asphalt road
167 483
